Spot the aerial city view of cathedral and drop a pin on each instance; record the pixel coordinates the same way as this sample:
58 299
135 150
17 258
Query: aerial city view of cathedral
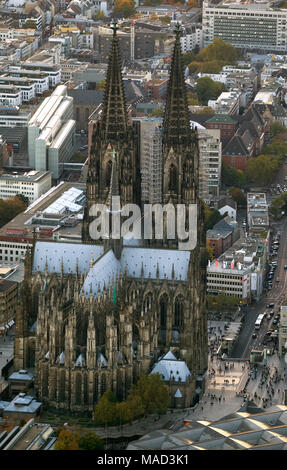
108 309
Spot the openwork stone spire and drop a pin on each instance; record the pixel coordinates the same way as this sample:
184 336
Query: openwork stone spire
114 119
176 118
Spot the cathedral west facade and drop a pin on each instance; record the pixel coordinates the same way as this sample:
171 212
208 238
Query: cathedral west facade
94 315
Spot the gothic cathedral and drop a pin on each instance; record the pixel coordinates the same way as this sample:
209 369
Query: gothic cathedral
94 315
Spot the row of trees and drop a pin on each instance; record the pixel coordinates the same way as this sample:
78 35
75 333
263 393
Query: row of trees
148 395
68 440
222 302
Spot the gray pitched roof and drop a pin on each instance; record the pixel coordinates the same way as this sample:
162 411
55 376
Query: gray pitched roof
235 147
71 253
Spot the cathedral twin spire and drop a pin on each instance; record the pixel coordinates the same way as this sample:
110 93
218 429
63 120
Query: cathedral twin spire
114 120
176 123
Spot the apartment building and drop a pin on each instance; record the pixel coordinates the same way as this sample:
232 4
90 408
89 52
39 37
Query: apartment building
31 184
51 133
210 150
191 37
251 26
27 87
53 71
10 95
40 78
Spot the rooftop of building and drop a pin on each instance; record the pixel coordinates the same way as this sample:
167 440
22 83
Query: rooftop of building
249 428
23 403
221 118
34 176
6 285
22 226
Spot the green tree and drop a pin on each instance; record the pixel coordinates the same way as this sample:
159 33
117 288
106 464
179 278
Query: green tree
278 206
192 99
205 110
165 19
29 24
211 217
153 393
188 57
277 128
78 157
67 440
238 196
157 112
219 51
208 89
136 406
210 66
124 412
91 441
105 411
232 177
124 8
10 208
100 15
262 169
101 85
23 199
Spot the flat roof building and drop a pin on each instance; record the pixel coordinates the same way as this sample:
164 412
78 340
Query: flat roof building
31 184
257 212
251 26
51 133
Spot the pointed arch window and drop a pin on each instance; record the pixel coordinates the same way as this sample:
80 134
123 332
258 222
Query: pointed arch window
148 302
178 321
163 310
109 172
172 178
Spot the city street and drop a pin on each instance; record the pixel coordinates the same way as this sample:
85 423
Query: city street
276 295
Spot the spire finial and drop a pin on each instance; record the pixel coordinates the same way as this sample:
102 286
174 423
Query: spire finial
114 26
177 29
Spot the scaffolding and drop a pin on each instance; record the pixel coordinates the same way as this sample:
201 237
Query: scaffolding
152 166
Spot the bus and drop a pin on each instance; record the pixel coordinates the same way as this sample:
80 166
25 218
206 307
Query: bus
259 321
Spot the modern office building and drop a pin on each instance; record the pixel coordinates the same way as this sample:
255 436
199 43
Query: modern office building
239 270
31 184
228 277
13 116
51 133
251 26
